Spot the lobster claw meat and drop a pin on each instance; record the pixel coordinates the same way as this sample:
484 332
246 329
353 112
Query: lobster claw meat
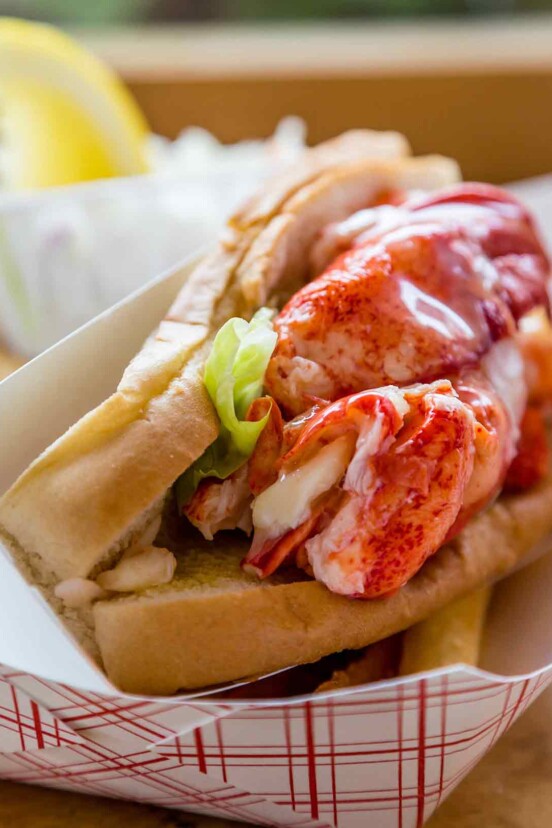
399 461
530 464
225 504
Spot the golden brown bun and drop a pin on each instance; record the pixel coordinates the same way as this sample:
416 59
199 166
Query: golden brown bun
348 148
216 625
88 495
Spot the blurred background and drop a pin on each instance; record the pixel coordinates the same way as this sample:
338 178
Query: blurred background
471 79
139 11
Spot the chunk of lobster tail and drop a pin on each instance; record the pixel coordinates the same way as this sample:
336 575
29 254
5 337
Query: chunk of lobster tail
423 291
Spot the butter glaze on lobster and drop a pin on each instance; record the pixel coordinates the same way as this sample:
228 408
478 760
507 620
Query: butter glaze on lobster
403 386
423 290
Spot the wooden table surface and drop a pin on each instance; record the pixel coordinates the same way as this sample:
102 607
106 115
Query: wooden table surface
510 788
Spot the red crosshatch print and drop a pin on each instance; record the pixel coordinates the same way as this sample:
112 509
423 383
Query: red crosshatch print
25 725
382 757
421 754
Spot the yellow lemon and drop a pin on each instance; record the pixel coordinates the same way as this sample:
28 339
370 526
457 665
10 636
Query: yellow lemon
64 116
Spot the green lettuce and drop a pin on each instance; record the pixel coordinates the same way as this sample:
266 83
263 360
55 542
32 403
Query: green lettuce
234 376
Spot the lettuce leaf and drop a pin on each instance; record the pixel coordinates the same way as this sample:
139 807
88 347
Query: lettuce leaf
234 376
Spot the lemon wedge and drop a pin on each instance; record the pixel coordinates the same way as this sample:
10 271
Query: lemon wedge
64 116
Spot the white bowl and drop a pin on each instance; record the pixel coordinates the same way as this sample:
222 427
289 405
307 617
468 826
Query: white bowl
68 253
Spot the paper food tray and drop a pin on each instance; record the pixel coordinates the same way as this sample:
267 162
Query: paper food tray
383 755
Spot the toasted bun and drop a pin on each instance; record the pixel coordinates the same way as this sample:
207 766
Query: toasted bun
96 488
100 485
215 624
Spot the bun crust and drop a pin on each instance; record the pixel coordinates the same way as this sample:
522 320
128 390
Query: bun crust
225 628
88 496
